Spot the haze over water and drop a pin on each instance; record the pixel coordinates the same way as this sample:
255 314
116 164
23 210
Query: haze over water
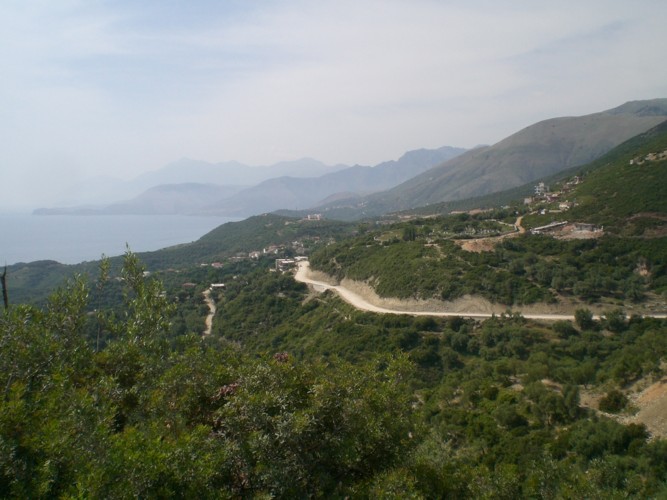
73 239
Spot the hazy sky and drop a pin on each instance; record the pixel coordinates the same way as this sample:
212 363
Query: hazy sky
122 87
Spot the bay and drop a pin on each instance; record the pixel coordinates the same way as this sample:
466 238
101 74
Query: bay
70 239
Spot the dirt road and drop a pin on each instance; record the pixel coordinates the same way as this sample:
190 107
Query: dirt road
304 276
211 312
518 225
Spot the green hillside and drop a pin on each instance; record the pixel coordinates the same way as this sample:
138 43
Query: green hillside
606 196
625 191
628 189
295 396
253 234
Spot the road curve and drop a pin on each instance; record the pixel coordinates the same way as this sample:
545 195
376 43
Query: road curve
303 275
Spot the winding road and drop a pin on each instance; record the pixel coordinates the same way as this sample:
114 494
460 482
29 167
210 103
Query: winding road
354 299
211 311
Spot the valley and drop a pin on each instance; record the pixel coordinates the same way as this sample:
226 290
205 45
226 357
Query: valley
513 346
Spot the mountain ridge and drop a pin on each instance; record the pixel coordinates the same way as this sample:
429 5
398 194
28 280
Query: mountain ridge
536 151
268 195
288 192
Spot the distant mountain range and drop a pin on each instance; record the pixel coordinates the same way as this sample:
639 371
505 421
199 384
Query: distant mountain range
230 173
299 184
290 192
417 179
173 199
535 152
102 191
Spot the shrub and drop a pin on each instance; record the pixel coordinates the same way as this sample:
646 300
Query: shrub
613 402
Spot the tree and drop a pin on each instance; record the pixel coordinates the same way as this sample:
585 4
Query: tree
564 329
409 233
615 320
584 319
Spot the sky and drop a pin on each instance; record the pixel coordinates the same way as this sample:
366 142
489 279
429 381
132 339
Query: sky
116 88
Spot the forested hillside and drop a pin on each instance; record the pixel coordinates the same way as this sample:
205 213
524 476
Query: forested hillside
522 270
294 397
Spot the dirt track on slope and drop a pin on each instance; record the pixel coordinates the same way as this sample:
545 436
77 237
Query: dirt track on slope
211 312
363 297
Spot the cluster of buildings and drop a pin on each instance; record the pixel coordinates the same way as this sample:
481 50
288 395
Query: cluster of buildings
542 193
560 228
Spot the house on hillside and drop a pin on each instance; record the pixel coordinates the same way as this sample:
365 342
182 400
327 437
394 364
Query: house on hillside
283 265
541 189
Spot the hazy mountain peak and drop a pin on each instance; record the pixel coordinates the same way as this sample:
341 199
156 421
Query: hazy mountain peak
537 151
651 107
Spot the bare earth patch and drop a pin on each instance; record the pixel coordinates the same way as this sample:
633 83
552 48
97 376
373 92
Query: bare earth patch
652 405
465 303
478 245
569 232
590 399
647 397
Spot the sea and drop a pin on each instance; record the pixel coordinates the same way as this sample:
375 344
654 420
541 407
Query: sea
71 239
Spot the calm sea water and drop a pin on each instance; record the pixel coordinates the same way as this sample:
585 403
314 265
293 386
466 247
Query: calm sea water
71 239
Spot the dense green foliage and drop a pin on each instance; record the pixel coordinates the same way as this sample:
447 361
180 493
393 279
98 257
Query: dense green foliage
499 400
521 270
295 396
148 417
